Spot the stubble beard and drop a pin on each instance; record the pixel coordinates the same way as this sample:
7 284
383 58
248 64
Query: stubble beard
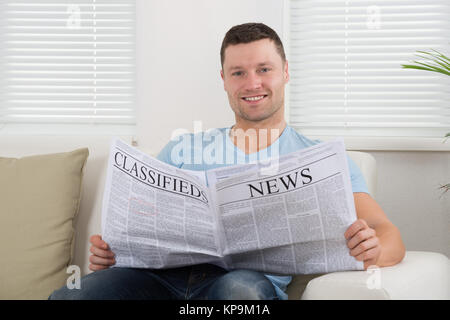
240 111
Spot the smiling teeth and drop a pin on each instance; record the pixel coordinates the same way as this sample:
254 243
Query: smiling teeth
254 98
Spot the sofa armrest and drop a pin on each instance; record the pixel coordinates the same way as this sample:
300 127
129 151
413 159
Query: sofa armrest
421 275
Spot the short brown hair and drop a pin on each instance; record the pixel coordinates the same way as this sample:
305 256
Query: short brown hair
249 32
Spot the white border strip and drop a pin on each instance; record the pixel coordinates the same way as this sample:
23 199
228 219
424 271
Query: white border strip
391 143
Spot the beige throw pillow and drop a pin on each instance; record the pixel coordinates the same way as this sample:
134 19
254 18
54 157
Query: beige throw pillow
39 198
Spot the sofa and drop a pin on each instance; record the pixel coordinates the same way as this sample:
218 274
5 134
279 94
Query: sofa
421 275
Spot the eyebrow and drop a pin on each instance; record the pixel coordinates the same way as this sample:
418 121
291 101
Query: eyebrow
240 67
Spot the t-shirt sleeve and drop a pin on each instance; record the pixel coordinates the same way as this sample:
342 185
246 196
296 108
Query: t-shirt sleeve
177 151
356 177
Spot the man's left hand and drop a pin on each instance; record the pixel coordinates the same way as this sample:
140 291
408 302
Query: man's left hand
363 243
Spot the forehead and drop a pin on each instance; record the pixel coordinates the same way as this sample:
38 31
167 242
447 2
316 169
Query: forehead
250 54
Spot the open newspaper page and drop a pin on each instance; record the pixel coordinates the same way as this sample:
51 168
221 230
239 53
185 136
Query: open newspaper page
288 216
155 215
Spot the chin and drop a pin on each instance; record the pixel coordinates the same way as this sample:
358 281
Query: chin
259 116
256 118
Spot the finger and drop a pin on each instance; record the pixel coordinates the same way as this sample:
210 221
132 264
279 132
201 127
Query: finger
364 246
370 263
95 267
101 261
360 237
370 254
356 226
101 253
97 241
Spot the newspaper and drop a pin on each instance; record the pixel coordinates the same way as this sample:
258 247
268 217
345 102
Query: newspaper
283 216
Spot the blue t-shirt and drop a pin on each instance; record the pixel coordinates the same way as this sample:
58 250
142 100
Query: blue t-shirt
214 149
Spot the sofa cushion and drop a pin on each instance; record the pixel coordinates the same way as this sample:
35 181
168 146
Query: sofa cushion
39 198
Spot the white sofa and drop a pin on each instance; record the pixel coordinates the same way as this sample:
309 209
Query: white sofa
421 275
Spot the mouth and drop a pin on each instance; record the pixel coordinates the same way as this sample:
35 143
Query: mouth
254 99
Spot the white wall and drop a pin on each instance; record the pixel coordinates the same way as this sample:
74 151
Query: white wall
179 62
179 82
407 190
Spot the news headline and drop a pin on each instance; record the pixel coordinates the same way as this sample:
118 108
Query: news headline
157 179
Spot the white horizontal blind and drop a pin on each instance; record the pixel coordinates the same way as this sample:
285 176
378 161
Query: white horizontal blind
67 61
345 62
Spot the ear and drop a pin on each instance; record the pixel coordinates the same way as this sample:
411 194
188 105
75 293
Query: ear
286 72
223 78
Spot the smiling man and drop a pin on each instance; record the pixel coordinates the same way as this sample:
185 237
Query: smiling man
254 78
254 73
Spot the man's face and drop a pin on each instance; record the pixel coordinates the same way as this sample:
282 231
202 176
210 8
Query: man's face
254 76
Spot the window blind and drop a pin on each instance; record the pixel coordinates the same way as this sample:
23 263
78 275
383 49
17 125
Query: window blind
67 61
345 62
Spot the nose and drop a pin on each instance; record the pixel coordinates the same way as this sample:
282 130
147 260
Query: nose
253 82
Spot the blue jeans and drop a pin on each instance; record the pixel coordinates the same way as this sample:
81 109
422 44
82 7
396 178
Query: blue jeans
199 282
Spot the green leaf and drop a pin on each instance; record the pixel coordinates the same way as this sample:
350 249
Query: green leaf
436 55
445 65
441 63
440 55
427 67
412 66
415 67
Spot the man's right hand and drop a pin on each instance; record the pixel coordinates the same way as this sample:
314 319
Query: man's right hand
102 257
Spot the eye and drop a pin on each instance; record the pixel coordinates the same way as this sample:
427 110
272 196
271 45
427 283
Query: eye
237 73
264 70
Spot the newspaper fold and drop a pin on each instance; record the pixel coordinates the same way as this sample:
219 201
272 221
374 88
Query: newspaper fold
284 216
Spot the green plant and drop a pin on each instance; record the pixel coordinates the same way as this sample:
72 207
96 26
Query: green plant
439 62
435 62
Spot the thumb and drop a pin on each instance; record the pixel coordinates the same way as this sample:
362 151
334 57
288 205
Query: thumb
96 240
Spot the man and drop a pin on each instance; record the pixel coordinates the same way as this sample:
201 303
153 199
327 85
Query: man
254 72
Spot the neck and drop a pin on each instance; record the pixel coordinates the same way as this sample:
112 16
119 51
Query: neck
257 136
